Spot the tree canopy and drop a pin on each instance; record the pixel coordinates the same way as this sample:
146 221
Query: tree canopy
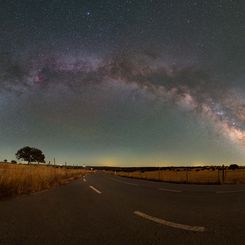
30 154
233 167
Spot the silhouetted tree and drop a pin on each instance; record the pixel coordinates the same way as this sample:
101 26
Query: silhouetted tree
30 154
233 166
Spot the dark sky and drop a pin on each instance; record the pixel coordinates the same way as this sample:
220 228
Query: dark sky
146 82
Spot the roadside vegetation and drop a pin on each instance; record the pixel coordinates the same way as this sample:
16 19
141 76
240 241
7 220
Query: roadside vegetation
22 178
193 175
18 179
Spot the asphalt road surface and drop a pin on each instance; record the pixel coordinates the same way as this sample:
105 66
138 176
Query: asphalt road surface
106 209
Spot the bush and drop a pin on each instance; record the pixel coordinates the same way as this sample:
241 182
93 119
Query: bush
13 161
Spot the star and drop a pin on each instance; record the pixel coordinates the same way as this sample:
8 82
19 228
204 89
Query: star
88 13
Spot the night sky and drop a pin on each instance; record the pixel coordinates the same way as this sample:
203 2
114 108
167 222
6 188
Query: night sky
129 83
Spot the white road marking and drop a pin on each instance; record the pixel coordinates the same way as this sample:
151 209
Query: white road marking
170 190
124 182
37 192
94 189
169 223
223 192
84 180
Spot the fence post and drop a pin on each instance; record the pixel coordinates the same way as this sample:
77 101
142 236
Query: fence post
223 174
219 182
186 172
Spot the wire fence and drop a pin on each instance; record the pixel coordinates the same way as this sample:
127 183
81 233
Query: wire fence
192 176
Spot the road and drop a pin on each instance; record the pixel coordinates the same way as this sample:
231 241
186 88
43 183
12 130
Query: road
106 209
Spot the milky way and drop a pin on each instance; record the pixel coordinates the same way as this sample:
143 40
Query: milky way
150 89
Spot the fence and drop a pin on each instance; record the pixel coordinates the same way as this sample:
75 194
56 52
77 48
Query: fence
192 176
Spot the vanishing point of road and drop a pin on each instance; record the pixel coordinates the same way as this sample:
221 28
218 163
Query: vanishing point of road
107 209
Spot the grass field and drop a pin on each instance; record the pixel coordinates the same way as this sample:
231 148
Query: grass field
21 179
192 176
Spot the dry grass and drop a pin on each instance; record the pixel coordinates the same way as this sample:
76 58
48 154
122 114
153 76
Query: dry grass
19 179
192 176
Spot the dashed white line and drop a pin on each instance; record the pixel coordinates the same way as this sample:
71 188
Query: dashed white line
169 190
124 182
169 223
38 192
84 180
235 191
94 189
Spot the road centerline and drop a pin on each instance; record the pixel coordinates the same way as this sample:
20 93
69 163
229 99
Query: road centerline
169 190
124 182
94 189
169 223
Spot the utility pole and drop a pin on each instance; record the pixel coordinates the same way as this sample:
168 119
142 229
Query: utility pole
54 161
